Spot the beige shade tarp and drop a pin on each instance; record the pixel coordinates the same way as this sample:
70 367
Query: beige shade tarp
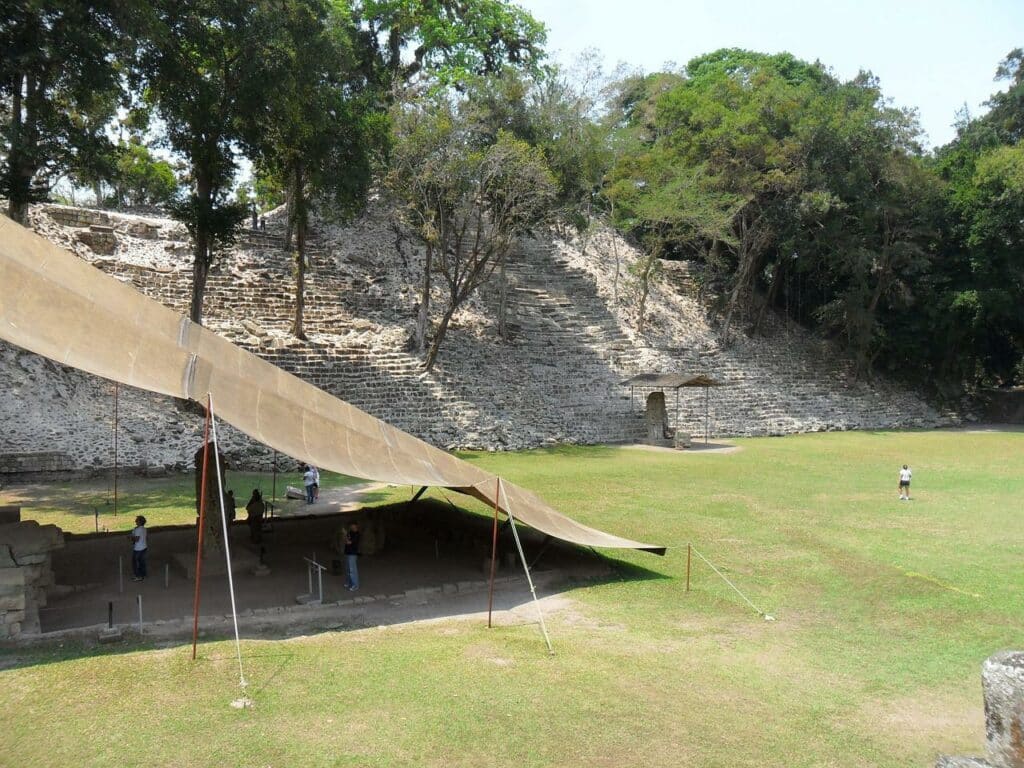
57 305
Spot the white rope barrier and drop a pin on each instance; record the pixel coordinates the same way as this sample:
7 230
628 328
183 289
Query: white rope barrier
244 701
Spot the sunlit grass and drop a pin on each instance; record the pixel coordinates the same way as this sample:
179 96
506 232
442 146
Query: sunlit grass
86 506
884 612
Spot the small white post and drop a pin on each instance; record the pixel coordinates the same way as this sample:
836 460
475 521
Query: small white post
167 575
139 598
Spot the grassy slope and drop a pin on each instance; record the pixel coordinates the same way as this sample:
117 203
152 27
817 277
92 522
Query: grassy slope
885 610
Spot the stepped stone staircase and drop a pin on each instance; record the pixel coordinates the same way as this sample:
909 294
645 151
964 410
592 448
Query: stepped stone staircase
556 379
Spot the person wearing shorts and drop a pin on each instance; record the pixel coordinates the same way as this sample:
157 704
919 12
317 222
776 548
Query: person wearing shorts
905 483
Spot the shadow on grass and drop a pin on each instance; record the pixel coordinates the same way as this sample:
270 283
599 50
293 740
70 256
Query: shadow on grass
558 568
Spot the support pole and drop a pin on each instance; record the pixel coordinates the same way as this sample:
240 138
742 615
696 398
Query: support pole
227 551
138 599
120 574
419 493
115 447
202 526
688 550
274 491
526 568
494 554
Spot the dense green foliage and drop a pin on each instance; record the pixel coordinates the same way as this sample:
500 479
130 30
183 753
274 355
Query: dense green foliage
795 191
58 91
809 195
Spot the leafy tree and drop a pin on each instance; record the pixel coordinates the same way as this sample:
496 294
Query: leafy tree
199 68
142 178
770 170
467 197
447 41
318 132
58 84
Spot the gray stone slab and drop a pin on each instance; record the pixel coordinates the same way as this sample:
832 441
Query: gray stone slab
1002 679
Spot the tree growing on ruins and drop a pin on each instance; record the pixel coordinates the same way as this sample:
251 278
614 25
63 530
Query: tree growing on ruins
199 67
775 175
59 82
467 198
319 131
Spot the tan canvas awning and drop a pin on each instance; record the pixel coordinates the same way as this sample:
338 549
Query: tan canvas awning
56 305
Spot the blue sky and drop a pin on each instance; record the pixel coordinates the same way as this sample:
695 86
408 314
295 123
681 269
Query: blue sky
934 56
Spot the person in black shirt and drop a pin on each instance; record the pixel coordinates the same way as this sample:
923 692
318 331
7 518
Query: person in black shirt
351 557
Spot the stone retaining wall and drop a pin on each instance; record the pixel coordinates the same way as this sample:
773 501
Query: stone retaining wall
26 463
26 573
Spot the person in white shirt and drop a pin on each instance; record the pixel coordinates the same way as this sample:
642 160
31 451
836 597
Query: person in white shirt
316 484
139 548
904 488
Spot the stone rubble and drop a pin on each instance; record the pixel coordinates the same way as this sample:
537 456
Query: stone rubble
573 340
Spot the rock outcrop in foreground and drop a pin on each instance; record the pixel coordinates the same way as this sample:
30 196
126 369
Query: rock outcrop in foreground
558 379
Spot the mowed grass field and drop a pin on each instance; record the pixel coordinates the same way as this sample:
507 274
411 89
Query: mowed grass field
884 613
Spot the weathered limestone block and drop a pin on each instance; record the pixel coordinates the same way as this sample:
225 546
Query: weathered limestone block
962 762
12 589
144 230
28 539
1002 679
102 242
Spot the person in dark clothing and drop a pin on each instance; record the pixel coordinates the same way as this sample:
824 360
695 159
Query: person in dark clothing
230 507
351 558
256 509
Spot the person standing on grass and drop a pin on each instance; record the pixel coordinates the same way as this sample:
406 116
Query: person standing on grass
904 488
309 481
316 484
351 558
139 548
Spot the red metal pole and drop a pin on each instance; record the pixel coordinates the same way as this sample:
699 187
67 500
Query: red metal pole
494 553
202 526
115 449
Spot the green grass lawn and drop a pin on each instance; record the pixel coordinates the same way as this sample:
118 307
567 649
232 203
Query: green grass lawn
88 505
885 611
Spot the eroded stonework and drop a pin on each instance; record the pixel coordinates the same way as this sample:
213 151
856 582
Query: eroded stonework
556 380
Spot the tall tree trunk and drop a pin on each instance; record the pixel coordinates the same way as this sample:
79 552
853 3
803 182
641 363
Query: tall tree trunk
17 203
424 315
615 252
301 222
201 249
769 299
289 210
750 258
502 300
200 272
435 345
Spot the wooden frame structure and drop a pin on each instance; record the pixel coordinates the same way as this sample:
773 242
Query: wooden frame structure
676 381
